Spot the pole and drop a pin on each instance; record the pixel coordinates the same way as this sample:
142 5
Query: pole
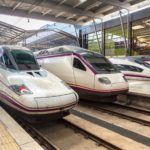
97 36
122 27
76 35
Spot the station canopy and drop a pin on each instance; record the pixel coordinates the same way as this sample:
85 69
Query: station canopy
48 38
64 11
10 34
34 39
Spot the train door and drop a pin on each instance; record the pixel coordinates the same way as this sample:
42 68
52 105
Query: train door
84 77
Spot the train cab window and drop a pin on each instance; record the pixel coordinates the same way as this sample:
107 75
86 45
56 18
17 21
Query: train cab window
128 68
141 62
78 64
120 67
99 63
133 68
5 59
25 60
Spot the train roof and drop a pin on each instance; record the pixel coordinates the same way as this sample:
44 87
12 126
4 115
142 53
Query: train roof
134 57
118 60
139 63
14 47
69 49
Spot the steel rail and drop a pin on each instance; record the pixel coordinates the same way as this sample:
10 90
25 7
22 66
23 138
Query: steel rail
90 135
43 141
131 108
107 110
48 145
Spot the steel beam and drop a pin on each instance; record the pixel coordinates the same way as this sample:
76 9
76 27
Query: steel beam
59 8
46 12
32 9
3 2
104 9
22 13
63 1
59 14
16 5
98 3
71 16
79 3
118 3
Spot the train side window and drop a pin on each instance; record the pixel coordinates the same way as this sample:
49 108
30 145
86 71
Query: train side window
78 64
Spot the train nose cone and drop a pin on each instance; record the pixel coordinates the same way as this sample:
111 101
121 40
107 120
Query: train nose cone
51 94
43 87
56 101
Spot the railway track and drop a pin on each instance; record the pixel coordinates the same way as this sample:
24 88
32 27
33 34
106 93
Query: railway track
45 143
48 145
104 108
131 108
91 136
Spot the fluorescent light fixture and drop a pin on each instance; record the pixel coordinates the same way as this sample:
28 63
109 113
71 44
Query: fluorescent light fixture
137 27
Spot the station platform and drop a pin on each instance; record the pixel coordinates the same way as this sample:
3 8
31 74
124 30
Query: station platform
139 87
13 136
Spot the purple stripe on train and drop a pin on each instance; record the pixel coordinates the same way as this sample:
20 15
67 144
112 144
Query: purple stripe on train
95 91
133 75
10 100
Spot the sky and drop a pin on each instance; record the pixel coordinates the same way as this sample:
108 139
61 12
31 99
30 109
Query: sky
24 23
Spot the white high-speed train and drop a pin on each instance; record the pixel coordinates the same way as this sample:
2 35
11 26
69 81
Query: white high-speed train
134 68
28 89
143 58
89 73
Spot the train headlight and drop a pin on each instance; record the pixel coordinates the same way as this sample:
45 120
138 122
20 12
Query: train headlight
104 80
20 89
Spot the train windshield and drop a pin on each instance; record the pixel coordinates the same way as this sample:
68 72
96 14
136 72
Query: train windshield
24 59
100 63
141 62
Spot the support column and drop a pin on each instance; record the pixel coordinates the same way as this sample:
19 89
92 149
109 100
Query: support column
129 25
80 38
103 38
